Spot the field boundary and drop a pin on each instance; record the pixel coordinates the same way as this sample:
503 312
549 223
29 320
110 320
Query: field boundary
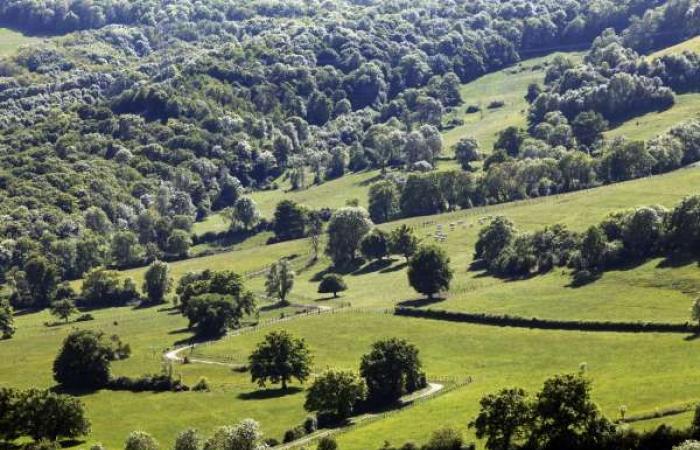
546 324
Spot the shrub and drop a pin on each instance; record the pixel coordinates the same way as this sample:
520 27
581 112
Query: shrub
293 434
202 385
310 424
140 440
85 317
332 284
327 443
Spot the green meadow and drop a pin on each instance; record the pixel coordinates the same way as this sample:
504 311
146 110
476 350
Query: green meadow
11 41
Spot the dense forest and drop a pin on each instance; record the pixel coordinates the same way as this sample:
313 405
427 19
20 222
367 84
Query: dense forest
146 116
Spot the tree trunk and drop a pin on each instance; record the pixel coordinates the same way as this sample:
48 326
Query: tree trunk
335 295
284 384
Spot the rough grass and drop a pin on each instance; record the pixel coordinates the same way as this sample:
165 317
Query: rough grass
652 124
11 41
618 365
508 85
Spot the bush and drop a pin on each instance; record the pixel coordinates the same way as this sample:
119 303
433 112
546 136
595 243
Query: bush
148 383
202 385
310 424
327 443
140 440
293 434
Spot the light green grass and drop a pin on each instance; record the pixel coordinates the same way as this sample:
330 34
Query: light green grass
691 45
508 85
650 125
11 41
648 292
618 364
26 360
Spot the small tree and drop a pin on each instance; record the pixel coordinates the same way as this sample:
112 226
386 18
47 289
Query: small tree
280 280
391 369
336 392
7 321
63 309
429 271
332 283
467 151
242 436
383 201
279 358
315 232
403 241
503 418
245 212
327 443
84 361
41 278
140 440
188 440
179 243
375 245
212 315
157 282
695 311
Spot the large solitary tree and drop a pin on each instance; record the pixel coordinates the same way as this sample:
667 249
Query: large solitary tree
157 282
503 419
279 358
429 271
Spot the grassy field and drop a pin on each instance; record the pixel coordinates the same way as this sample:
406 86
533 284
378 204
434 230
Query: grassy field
11 40
648 292
494 357
691 45
508 85
650 125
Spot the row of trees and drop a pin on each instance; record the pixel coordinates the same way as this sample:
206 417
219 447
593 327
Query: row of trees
390 370
525 167
623 237
109 166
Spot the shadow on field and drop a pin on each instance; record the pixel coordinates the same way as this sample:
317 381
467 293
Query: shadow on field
395 268
350 268
266 394
421 302
374 266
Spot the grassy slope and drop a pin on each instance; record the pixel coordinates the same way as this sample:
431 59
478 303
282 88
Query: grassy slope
647 292
508 85
650 125
495 357
11 40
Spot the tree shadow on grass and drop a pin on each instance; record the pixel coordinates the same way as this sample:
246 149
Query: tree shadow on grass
692 337
350 268
395 268
676 260
68 443
583 279
273 306
266 394
421 302
374 266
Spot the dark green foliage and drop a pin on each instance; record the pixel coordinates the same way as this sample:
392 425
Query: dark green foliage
289 221
7 322
335 392
346 229
383 201
212 315
104 288
332 283
375 245
41 415
84 361
561 415
42 279
504 419
429 271
279 358
157 282
327 443
403 241
391 369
